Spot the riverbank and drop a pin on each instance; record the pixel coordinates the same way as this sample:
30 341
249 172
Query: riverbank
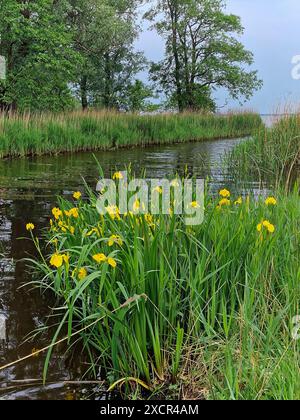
210 317
53 134
29 190
272 154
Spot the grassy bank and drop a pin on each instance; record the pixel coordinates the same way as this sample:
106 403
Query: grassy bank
53 134
272 154
175 310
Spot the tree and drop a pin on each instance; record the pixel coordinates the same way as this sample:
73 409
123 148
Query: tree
91 22
136 97
201 52
61 50
40 60
121 61
200 97
105 31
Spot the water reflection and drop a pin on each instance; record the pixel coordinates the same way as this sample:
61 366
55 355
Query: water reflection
42 177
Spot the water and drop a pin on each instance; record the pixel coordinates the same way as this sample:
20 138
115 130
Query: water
28 190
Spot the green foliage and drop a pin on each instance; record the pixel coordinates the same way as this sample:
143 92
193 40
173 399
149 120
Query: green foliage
80 131
65 51
273 154
201 99
136 98
219 295
40 60
105 32
58 50
202 52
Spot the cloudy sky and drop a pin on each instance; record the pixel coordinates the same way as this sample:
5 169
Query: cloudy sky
272 33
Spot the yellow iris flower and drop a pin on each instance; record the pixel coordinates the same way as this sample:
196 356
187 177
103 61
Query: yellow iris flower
77 195
113 212
271 201
195 205
267 225
82 273
101 258
115 239
112 262
57 213
56 260
118 175
159 190
225 193
224 202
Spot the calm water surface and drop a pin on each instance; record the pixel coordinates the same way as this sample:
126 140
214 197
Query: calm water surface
28 190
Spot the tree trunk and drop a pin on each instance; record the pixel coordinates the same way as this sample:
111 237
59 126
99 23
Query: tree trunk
107 84
188 100
83 91
174 17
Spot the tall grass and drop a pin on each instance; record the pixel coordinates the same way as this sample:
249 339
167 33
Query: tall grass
207 308
22 135
272 154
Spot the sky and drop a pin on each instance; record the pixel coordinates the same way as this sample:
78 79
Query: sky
272 33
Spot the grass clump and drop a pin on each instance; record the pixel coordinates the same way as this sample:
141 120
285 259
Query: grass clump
22 135
205 311
272 154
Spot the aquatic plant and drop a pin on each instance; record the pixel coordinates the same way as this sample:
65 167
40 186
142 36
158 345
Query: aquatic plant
22 135
154 302
272 154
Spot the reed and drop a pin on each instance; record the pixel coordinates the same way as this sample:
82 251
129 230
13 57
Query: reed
273 154
22 135
207 309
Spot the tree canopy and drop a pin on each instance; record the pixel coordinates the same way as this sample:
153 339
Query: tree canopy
66 53
38 50
105 32
201 52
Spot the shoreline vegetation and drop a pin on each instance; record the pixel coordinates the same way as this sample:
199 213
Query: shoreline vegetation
52 134
271 154
166 310
151 307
